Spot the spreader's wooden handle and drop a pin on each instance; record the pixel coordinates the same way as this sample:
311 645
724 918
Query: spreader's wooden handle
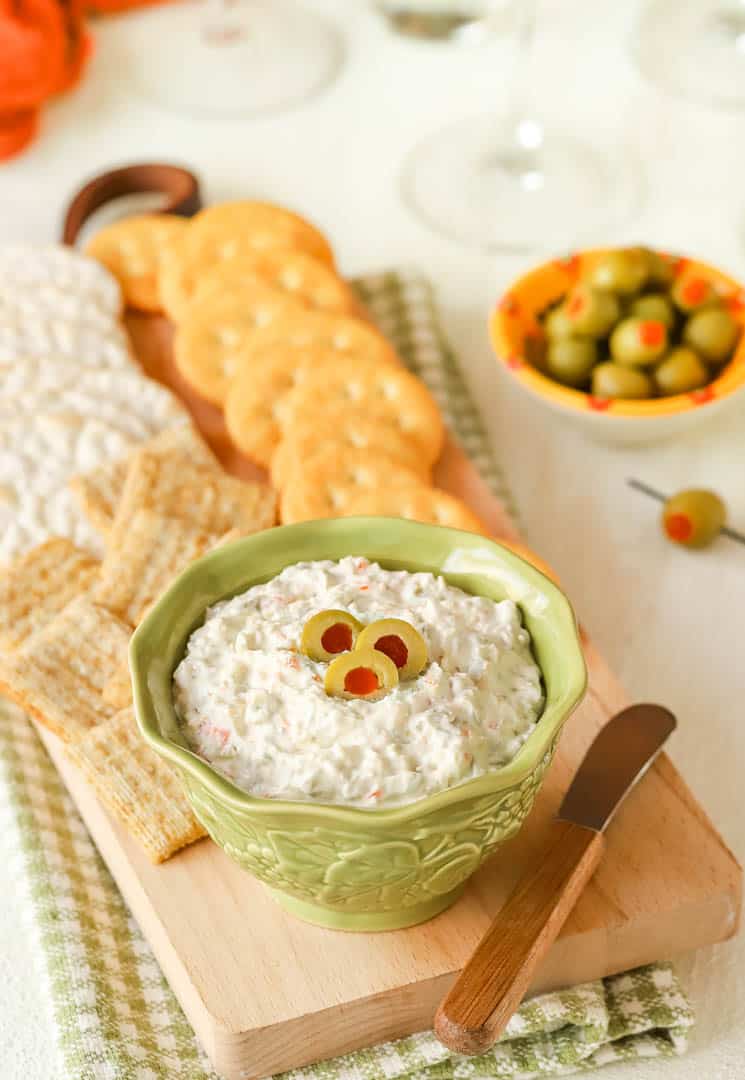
495 979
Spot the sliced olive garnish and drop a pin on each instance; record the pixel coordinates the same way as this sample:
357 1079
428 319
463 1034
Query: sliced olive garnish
329 633
363 673
398 640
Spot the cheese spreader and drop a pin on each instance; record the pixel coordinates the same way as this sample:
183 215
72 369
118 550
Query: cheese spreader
495 979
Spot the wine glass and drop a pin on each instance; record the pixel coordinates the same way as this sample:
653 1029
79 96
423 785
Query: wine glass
230 57
694 48
508 183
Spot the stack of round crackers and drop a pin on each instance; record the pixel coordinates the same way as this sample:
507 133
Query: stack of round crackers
266 330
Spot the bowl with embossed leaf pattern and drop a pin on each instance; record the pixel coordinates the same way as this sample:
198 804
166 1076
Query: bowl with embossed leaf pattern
344 866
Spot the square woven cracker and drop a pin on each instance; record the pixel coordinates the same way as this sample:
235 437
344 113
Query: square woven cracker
38 585
98 492
171 484
59 674
145 554
139 789
118 690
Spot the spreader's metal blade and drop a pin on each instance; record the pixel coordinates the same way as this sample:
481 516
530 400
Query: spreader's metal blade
621 753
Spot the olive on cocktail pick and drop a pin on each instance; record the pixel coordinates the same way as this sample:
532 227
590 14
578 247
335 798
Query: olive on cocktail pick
399 641
329 633
693 518
690 517
362 673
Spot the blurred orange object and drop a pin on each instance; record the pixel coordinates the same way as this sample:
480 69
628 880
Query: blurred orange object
110 7
33 45
17 129
79 51
44 48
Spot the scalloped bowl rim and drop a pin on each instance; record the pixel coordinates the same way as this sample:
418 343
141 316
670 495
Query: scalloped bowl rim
148 713
728 382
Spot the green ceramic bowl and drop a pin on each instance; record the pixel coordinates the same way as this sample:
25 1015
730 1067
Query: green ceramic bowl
346 867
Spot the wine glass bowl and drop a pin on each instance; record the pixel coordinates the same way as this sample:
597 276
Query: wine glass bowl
508 184
511 182
695 50
230 57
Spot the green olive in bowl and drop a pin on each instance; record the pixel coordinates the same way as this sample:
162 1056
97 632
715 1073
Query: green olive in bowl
692 293
570 360
591 312
681 371
661 270
624 271
654 306
713 333
611 380
557 323
638 342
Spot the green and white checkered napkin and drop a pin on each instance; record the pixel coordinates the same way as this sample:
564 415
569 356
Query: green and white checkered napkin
116 1018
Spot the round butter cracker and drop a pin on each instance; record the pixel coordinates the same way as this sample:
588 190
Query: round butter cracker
350 431
131 249
417 503
209 345
380 391
351 338
325 486
255 399
265 222
230 231
301 276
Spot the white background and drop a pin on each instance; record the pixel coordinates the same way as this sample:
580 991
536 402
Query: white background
672 623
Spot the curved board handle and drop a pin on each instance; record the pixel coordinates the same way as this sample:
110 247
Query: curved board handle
179 186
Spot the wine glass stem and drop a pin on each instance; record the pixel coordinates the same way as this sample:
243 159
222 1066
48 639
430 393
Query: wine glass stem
522 107
221 25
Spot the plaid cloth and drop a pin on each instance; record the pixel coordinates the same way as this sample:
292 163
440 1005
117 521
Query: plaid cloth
114 1015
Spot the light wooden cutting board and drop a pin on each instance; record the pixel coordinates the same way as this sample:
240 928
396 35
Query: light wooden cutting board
265 992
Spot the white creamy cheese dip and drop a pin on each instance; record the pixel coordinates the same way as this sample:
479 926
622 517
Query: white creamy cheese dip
256 708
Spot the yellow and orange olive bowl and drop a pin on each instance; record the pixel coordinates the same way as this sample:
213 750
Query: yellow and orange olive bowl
514 321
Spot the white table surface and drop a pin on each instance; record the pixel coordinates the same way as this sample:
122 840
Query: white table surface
672 623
